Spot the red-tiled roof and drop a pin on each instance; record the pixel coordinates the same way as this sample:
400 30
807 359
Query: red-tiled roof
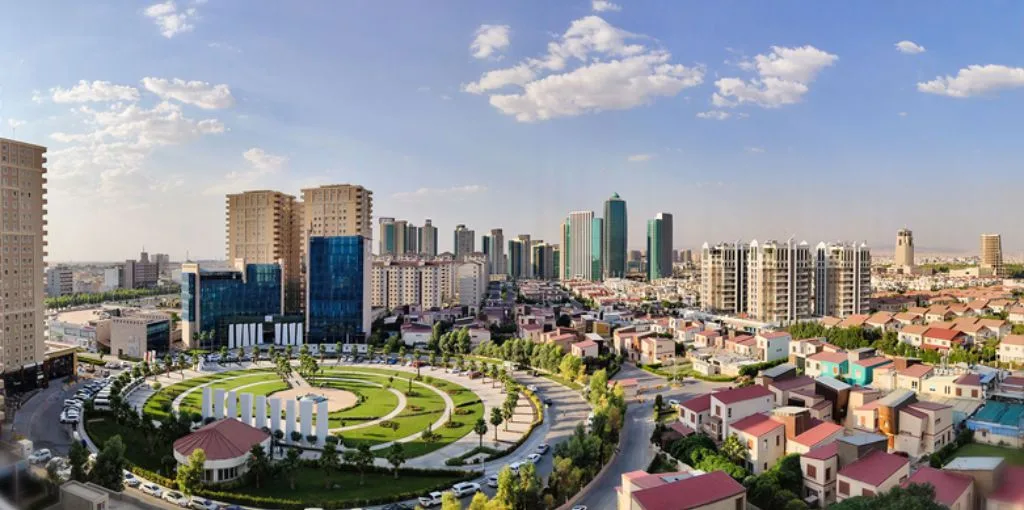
917 371
969 380
681 428
817 433
949 486
698 404
221 440
914 412
914 329
1014 380
831 357
585 344
872 362
741 394
775 334
792 382
1013 340
757 424
710 333
874 468
689 493
906 316
1011 490
826 451
942 334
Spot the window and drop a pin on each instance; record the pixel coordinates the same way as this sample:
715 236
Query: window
730 412
828 474
739 504
778 440
866 492
812 471
844 488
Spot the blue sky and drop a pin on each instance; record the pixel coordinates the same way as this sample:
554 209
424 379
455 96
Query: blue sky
822 128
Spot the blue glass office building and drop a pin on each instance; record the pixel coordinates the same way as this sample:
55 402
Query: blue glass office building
211 300
337 289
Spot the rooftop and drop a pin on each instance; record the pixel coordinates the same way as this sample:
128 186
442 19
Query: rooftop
1011 490
874 468
698 404
873 362
818 433
777 370
974 463
969 380
823 452
221 440
916 371
757 424
689 493
1001 413
741 394
948 486
830 357
792 382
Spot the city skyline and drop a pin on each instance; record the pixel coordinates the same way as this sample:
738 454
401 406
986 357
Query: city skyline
444 131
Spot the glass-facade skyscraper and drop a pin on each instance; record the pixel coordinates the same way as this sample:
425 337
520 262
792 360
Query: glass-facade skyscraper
596 250
337 289
212 300
659 247
616 237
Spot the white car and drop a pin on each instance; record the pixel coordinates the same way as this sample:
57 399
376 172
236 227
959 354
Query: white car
40 456
532 388
152 489
176 498
197 503
492 481
543 448
673 402
131 480
533 458
580 507
432 499
464 489
515 467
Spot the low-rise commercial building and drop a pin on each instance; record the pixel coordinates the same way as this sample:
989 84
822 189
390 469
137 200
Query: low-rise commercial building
131 336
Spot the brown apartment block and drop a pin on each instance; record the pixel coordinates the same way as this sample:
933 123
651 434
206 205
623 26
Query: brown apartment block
23 242
263 228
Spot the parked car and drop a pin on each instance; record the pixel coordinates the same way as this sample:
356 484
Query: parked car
176 498
547 401
464 489
492 481
543 448
580 507
40 456
131 480
202 504
152 489
432 499
532 388
673 402
515 467
533 458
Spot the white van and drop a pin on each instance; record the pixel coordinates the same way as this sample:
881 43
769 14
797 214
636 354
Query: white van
101 404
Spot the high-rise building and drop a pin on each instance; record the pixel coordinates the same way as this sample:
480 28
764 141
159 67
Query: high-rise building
388 242
904 257
23 234
597 250
543 260
842 279
556 261
464 241
577 246
659 260
263 228
781 280
471 280
616 237
229 305
516 259
992 255
494 251
411 281
140 274
336 249
527 269
412 239
60 281
723 277
428 239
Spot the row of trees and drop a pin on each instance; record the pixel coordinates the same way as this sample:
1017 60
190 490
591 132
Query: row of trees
888 343
550 357
70 300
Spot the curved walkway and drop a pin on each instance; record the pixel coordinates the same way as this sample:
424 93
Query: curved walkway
402 402
176 403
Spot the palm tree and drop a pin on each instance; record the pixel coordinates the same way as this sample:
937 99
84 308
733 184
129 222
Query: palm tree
480 428
496 418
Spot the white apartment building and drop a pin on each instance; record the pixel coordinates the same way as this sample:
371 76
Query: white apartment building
723 273
576 253
112 279
842 279
59 281
781 279
471 279
409 281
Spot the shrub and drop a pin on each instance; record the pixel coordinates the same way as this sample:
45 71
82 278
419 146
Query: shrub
155 386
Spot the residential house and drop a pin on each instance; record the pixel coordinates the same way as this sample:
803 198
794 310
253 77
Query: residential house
952 490
912 377
413 334
975 333
773 346
585 349
999 423
998 485
784 387
1011 349
626 342
730 406
820 466
998 327
908 318
764 437
862 370
742 345
776 373
830 322
856 320
1015 314
979 307
799 350
695 412
1000 305
803 432
531 332
656 349
872 474
884 321
830 364
942 339
675 431
1013 384
681 491
924 428
912 334
709 338
961 386
938 313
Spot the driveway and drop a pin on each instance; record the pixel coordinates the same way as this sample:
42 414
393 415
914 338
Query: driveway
39 418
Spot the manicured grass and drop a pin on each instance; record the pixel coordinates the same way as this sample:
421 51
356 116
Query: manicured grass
310 485
1013 456
375 402
136 444
193 402
154 406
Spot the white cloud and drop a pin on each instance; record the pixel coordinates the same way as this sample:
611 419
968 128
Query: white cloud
37 97
490 40
604 5
975 80
453 192
262 164
640 158
224 46
196 93
755 150
264 161
15 123
96 91
783 78
714 115
169 19
613 74
902 114
909 47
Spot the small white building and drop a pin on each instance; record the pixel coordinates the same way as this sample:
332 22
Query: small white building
773 346
226 443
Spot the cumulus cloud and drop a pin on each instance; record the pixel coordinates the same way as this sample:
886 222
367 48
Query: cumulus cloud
264 161
592 67
640 158
604 5
714 115
975 80
489 40
170 19
783 78
196 93
909 47
15 123
92 92
431 193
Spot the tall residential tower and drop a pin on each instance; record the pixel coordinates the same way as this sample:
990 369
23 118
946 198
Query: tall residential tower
992 255
464 242
659 247
576 257
263 227
616 237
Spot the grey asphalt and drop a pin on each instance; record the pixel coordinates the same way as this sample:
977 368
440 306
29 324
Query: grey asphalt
39 418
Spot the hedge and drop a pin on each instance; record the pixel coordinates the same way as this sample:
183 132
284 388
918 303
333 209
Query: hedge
752 370
154 477
461 459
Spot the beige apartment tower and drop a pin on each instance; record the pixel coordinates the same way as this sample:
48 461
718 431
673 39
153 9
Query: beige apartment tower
263 228
781 280
723 277
991 255
337 210
904 257
23 239
842 279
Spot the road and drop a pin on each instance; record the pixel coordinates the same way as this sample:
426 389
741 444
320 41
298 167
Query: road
636 451
39 418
